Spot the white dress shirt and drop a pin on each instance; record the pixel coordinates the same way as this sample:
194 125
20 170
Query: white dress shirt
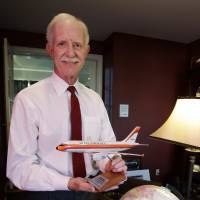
41 121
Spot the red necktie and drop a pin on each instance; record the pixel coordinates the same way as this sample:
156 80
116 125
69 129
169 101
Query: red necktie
76 134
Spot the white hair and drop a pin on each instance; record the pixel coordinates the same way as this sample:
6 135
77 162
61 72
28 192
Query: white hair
66 17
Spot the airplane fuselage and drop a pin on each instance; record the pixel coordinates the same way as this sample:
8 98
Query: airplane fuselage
86 147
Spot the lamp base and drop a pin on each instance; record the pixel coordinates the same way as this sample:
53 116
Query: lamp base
192 158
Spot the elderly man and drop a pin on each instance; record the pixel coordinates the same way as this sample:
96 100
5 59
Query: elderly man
43 117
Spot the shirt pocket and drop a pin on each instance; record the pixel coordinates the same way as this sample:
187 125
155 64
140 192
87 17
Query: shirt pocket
51 134
91 128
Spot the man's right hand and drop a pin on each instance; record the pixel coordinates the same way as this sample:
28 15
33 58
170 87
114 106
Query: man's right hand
80 184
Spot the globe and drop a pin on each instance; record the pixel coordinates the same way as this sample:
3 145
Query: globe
149 192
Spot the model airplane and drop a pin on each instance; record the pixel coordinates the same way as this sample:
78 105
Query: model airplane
102 147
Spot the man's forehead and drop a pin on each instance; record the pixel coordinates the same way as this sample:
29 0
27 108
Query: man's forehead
68 25
65 29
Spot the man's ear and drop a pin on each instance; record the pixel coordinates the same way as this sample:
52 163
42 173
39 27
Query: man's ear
49 49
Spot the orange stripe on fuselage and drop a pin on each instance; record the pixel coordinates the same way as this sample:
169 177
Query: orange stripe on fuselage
90 146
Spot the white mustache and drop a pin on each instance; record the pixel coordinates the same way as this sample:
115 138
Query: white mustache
67 59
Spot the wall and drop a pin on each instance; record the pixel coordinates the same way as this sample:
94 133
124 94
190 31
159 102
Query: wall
149 75
194 49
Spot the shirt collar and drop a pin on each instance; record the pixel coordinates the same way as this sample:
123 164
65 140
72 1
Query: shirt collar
60 85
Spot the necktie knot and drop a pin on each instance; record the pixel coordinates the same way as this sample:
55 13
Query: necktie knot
72 89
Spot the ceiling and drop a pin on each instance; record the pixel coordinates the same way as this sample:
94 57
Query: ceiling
174 20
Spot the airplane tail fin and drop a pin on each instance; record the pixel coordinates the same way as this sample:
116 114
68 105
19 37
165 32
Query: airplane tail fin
131 138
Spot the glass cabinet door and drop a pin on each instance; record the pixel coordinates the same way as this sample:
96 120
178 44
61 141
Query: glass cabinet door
32 65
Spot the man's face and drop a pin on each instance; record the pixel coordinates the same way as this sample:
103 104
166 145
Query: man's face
68 49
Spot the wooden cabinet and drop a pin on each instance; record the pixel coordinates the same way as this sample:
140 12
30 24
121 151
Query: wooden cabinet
194 76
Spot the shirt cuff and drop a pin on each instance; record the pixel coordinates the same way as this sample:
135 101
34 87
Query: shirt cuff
60 182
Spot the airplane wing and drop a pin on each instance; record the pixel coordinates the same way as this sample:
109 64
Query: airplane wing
110 155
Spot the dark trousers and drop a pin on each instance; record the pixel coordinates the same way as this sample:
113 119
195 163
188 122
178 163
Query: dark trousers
72 195
51 195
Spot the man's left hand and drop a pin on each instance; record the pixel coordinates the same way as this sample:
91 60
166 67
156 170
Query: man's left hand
116 164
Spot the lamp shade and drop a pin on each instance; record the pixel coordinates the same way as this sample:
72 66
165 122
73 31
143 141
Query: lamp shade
183 125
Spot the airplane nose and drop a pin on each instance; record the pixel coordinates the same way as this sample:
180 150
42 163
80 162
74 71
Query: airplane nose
61 147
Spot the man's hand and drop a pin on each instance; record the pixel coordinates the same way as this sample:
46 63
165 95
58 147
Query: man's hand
116 164
80 184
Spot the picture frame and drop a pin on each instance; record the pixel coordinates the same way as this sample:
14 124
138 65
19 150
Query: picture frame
139 174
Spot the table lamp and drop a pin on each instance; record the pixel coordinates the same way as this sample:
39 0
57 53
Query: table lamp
183 128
